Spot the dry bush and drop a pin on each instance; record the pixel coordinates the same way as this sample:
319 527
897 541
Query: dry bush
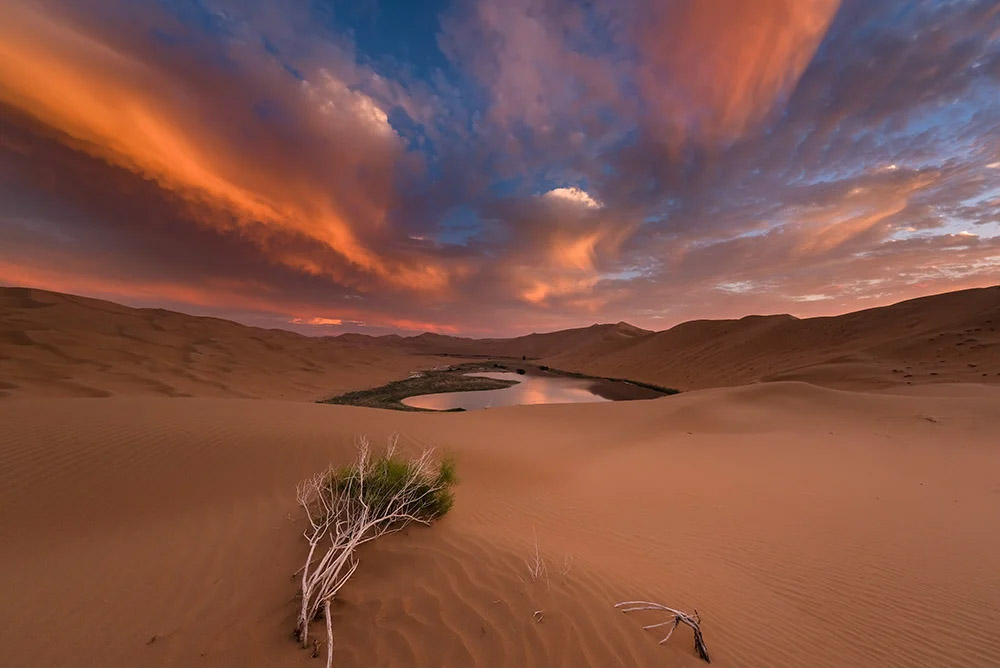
349 506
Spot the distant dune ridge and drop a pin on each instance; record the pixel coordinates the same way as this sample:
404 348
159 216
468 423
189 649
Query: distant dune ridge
951 337
809 525
53 344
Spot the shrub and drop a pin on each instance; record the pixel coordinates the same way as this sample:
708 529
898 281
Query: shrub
352 505
391 486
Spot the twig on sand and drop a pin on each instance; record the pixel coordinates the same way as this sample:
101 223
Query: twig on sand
567 565
536 566
676 618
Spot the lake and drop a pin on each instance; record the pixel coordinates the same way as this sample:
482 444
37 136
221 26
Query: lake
531 389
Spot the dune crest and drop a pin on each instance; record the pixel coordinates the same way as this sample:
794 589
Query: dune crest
53 344
951 337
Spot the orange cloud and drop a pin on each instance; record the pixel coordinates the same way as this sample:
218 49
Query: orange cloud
317 321
573 239
715 67
577 252
116 108
541 290
861 210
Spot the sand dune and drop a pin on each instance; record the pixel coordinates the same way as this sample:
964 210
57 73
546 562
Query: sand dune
952 337
53 344
809 527
946 338
534 346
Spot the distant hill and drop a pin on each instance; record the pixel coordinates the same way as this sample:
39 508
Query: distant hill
953 336
531 345
54 344
57 344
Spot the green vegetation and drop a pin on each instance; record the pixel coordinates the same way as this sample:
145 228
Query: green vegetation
404 486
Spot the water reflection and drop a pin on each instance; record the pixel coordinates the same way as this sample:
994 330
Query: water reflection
530 389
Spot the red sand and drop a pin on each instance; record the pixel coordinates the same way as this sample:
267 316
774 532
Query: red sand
809 526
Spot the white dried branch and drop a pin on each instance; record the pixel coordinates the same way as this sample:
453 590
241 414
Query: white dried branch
676 618
329 634
341 520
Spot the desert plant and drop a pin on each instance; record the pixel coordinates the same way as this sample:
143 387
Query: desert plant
352 505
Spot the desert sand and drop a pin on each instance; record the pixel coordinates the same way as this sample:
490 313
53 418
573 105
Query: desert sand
53 344
808 525
952 337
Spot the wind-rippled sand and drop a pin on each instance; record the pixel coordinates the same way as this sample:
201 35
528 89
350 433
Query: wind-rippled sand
808 526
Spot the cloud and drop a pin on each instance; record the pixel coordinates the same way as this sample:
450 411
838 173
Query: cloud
710 69
689 70
122 108
546 165
573 195
316 320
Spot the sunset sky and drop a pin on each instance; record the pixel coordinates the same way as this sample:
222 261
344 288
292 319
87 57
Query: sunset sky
495 167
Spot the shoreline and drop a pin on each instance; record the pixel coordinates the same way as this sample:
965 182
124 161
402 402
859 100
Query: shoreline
454 378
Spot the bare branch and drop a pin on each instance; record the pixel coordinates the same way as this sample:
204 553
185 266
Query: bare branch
676 618
329 634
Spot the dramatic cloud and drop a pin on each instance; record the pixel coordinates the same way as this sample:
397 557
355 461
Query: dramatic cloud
119 108
710 69
521 165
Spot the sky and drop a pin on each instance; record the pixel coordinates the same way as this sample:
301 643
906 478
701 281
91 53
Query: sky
496 167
